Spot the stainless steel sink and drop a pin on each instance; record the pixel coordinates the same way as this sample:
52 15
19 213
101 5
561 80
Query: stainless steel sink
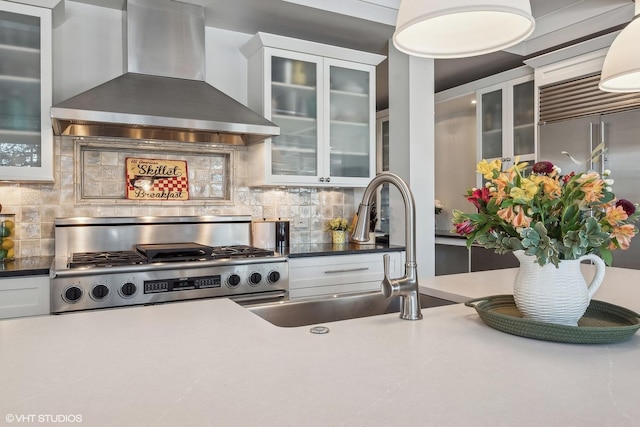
331 309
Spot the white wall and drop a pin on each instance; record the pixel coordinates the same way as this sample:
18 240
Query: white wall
455 164
87 49
411 149
226 67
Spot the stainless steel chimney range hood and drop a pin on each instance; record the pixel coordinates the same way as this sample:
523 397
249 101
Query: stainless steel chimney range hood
163 94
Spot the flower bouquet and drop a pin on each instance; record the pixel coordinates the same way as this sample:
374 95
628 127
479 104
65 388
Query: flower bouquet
338 224
547 215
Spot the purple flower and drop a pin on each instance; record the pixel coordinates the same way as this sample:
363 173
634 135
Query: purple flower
543 168
627 206
465 227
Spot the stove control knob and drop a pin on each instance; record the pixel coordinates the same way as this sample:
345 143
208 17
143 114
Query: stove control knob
255 279
72 294
99 292
233 280
274 276
128 289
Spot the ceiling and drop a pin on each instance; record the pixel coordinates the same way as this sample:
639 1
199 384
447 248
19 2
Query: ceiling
342 23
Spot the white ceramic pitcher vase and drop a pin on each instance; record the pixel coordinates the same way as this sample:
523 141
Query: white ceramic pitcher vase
555 295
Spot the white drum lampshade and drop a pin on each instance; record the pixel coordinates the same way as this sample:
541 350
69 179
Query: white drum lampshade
461 28
621 68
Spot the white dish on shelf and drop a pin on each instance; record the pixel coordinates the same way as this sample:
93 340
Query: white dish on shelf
353 87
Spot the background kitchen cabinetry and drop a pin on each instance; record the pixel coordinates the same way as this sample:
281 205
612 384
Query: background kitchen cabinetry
24 296
382 164
323 99
453 257
26 140
333 274
458 134
505 121
483 259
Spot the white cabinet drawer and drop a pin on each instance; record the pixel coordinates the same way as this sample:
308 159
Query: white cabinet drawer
324 275
24 296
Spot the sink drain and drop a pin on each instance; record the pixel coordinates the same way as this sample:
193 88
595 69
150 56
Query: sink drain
319 330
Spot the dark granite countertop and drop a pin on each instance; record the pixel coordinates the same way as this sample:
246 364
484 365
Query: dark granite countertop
37 266
326 249
448 233
30 266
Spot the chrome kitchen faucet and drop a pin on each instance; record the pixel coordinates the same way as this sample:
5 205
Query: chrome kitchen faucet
406 286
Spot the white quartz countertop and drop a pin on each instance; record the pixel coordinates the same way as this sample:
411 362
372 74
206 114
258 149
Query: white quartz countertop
213 363
620 286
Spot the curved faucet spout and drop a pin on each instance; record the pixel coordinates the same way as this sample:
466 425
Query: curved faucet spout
407 286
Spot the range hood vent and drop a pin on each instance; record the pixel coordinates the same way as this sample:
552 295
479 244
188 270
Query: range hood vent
162 95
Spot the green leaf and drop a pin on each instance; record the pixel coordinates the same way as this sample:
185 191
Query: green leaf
607 256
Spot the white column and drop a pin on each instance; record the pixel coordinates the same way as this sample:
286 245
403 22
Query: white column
411 150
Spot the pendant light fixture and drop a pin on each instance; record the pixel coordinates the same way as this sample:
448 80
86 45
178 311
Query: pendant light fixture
461 28
621 68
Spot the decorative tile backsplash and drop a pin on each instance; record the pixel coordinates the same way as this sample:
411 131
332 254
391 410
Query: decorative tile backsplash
219 179
102 169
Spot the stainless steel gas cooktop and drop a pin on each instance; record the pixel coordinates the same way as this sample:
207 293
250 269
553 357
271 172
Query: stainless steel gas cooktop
113 262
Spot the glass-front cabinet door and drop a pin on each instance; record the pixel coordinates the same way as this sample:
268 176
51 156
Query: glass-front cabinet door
25 93
382 164
351 122
505 121
491 136
524 143
294 107
323 99
324 108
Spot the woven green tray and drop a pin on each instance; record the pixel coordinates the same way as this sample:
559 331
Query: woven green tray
603 323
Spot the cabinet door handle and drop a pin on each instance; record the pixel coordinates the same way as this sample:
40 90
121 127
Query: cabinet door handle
347 270
328 179
590 162
602 146
321 179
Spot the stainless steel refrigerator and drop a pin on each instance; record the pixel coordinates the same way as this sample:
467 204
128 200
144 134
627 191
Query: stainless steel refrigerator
620 135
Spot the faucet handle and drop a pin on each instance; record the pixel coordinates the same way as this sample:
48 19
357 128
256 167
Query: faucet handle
386 286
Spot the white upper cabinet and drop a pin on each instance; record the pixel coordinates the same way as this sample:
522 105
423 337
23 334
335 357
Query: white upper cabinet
323 99
505 121
26 139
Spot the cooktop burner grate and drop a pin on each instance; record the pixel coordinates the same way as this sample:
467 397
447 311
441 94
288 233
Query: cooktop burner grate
106 259
239 251
163 253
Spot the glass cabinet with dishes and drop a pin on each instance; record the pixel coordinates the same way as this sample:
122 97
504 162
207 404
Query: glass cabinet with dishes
324 106
351 124
294 108
26 152
505 121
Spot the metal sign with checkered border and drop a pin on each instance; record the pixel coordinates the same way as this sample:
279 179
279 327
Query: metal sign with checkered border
156 179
